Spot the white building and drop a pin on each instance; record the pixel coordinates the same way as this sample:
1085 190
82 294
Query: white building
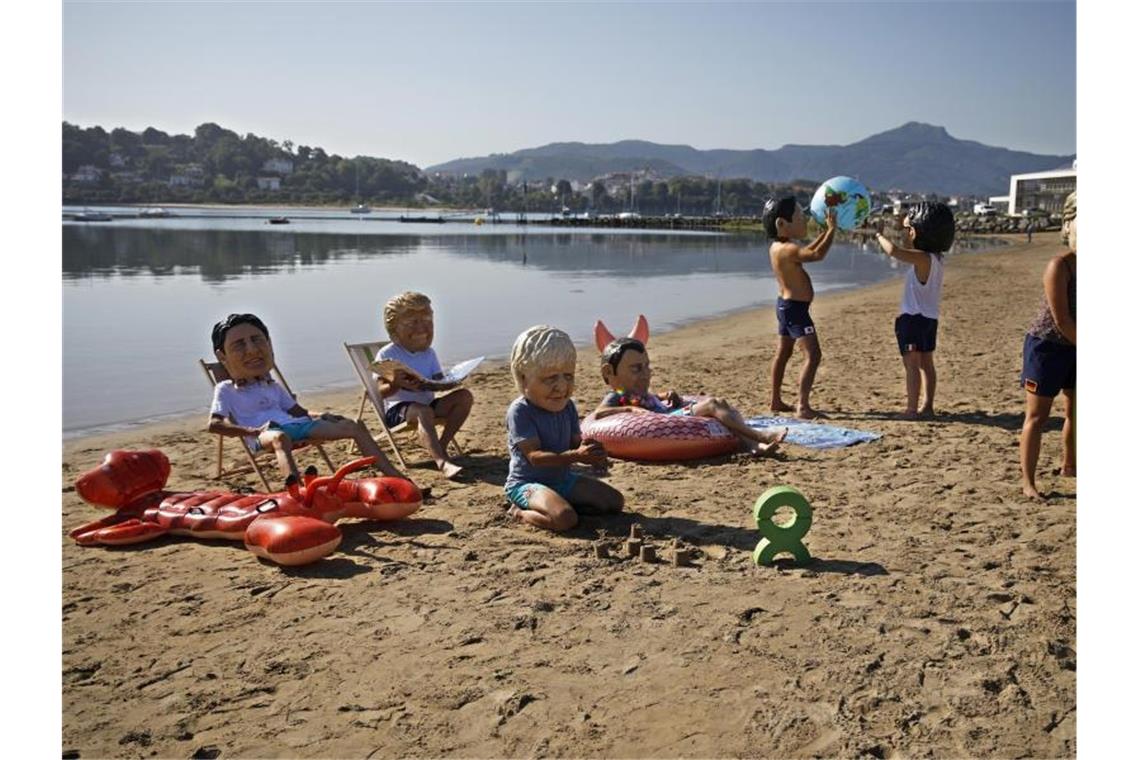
88 174
278 166
268 183
1001 203
1040 190
190 175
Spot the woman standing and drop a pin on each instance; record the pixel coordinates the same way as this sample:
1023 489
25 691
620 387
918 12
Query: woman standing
1049 359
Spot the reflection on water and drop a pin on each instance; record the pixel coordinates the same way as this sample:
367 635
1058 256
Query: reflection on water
139 300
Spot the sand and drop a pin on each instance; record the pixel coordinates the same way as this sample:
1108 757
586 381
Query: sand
938 618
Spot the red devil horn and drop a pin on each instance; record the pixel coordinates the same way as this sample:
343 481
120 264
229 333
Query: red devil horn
640 329
602 336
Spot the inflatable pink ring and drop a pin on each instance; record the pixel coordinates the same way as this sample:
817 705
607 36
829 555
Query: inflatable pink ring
659 437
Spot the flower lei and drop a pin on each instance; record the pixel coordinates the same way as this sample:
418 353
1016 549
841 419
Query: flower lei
625 398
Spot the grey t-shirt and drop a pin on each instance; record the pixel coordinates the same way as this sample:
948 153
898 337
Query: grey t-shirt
554 430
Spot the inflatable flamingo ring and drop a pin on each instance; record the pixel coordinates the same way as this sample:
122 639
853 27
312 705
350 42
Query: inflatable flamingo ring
292 527
655 437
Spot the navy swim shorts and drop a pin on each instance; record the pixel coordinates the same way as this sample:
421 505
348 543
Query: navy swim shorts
398 413
915 332
1047 368
795 322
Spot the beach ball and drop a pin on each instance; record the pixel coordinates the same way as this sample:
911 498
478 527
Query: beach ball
849 197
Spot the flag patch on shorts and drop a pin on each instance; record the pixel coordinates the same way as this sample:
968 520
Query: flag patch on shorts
1031 385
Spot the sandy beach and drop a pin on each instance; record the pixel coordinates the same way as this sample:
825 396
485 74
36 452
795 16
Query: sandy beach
937 620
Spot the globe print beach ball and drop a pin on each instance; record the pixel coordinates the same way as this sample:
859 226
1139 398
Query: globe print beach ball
849 198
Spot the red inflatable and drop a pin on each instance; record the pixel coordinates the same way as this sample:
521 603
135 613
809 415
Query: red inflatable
292 527
660 437
654 437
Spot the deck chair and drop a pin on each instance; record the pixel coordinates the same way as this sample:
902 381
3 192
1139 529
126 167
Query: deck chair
362 355
216 373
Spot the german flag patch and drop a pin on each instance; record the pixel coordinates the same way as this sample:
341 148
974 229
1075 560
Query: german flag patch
1030 385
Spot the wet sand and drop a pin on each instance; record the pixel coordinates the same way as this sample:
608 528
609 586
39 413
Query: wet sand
938 618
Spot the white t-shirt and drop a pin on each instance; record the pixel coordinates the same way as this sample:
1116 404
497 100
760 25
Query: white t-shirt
424 362
253 404
919 298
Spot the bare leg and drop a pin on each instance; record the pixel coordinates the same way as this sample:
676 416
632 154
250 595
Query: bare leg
758 441
282 446
1069 435
929 383
546 510
1036 415
593 497
812 357
912 364
784 350
423 418
339 429
453 409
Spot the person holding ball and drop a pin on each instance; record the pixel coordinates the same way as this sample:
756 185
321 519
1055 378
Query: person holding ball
785 221
928 232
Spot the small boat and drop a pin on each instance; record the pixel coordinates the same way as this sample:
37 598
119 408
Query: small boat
360 208
154 213
92 216
277 220
422 219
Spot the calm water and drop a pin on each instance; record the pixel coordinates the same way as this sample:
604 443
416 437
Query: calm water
140 296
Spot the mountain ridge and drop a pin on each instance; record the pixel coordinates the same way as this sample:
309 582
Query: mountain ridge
914 156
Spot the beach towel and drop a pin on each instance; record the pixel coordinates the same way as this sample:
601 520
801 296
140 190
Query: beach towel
814 435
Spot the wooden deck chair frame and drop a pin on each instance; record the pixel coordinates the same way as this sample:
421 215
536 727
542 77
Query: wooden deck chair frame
362 355
216 373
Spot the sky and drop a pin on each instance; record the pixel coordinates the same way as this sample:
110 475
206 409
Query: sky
427 83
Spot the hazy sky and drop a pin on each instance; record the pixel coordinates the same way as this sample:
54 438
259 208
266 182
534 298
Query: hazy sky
427 83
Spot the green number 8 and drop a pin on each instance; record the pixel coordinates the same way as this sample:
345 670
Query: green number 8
779 539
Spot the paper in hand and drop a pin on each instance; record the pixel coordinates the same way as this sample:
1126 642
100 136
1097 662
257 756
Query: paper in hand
387 368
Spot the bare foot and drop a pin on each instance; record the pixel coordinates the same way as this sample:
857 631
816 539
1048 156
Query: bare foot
779 437
768 449
781 406
926 414
450 470
1030 492
909 415
805 412
515 513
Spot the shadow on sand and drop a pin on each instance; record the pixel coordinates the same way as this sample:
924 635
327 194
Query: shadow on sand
709 534
1004 420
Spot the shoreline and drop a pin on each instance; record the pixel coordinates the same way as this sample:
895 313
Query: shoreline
329 396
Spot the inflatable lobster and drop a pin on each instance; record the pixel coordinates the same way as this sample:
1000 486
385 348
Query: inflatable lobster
291 527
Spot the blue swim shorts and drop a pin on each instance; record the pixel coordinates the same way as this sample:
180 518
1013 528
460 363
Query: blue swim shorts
1047 368
297 431
794 319
520 494
915 333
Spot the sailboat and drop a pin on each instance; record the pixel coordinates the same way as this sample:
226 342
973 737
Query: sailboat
359 208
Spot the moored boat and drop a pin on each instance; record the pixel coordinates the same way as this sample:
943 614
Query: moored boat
92 216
